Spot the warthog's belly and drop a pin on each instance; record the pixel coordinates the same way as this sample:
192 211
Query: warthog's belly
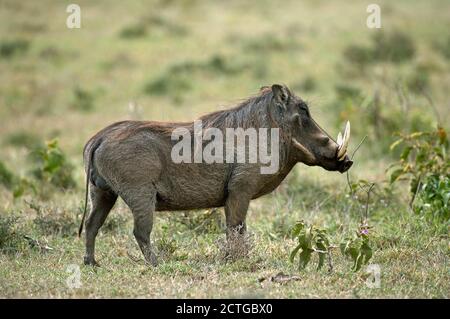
192 186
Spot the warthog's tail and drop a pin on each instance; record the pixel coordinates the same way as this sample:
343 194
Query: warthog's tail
88 176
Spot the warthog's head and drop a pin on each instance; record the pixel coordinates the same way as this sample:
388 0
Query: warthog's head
310 143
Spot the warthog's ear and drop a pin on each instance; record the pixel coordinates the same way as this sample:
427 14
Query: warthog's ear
280 95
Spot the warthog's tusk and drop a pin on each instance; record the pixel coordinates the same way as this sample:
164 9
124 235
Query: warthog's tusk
342 151
339 139
301 148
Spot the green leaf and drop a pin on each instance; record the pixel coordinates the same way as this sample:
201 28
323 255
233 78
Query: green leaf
395 144
294 252
305 257
396 174
405 153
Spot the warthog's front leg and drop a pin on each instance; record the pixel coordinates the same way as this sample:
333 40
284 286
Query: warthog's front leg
142 204
143 224
236 207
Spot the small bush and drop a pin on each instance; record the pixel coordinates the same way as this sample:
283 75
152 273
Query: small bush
6 176
137 30
52 166
358 248
310 239
433 197
11 236
11 48
425 164
394 47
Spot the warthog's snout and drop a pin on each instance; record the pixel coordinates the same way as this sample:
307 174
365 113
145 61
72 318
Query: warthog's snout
345 164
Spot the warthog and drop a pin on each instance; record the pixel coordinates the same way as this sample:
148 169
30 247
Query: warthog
132 159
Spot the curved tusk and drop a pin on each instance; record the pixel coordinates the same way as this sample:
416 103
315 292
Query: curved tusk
343 147
301 148
339 139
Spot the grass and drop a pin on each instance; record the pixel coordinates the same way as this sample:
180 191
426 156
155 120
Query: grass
178 61
413 261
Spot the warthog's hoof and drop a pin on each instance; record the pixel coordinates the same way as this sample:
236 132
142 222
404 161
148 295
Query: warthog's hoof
152 259
89 261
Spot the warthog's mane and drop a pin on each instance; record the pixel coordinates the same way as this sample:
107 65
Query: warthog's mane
252 112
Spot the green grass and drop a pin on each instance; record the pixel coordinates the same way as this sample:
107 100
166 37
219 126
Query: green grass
178 61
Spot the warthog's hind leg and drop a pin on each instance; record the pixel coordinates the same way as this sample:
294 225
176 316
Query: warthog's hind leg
101 204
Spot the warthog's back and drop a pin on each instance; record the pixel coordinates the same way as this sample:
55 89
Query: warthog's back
134 153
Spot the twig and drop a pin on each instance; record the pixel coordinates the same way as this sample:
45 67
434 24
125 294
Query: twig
330 264
357 147
368 198
353 154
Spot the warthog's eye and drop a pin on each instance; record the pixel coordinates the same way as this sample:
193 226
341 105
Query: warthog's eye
303 109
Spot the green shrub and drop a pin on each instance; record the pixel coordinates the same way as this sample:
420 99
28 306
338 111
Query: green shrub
433 197
358 248
425 164
52 166
137 30
6 176
11 235
310 239
395 47
14 47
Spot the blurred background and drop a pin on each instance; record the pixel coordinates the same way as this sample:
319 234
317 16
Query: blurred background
176 60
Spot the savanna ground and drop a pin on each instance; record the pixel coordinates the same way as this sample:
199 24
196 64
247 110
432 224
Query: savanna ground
168 60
